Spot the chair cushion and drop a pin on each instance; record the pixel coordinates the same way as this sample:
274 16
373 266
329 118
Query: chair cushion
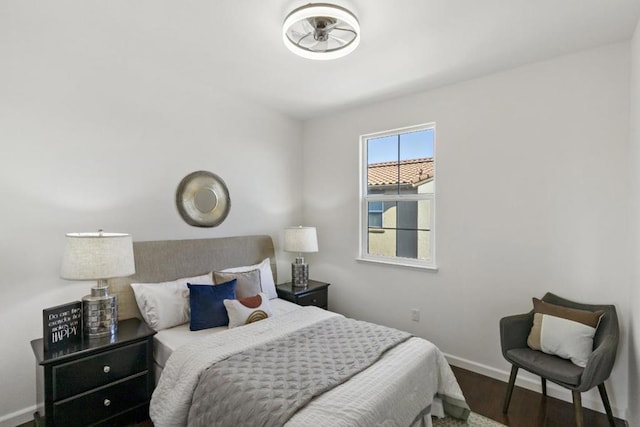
551 367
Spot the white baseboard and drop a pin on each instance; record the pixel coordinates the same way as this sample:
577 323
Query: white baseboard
590 399
19 417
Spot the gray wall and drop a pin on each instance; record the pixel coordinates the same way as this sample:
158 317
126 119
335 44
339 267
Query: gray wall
532 196
88 146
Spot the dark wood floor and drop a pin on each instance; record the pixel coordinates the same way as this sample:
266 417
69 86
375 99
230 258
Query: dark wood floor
485 396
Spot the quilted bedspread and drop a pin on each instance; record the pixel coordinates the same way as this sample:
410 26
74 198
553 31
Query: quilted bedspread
265 385
394 391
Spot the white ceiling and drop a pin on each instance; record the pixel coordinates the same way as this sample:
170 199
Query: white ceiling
235 46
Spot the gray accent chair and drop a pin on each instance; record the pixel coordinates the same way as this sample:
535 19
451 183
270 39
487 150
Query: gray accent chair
514 331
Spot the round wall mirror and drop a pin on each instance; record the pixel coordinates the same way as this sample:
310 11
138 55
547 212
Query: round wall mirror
203 199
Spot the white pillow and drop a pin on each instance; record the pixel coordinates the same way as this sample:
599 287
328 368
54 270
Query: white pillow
266 276
567 339
247 310
165 305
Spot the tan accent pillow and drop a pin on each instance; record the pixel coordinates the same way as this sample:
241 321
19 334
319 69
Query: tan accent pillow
247 282
586 317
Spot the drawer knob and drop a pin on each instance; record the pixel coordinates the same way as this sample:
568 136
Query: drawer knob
107 402
106 369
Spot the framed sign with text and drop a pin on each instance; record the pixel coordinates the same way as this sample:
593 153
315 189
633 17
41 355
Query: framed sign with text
62 325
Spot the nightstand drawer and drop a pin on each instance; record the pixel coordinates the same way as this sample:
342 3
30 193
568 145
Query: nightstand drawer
85 374
319 299
315 293
98 405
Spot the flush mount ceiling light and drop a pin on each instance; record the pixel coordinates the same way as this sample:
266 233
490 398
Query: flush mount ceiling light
321 31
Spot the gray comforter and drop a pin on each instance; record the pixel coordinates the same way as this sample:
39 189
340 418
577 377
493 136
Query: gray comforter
266 384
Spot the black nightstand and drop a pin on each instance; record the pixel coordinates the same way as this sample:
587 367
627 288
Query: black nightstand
316 293
102 381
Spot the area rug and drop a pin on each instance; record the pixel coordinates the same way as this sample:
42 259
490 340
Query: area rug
474 420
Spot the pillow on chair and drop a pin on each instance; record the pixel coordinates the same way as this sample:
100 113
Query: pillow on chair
564 332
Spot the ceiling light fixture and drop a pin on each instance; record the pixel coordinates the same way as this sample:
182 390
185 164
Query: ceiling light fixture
321 31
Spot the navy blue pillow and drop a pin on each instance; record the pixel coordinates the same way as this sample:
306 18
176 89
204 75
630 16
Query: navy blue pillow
207 308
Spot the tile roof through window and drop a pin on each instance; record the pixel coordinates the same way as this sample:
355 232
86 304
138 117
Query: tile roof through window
412 171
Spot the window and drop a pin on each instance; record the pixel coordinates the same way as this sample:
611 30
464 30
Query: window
397 208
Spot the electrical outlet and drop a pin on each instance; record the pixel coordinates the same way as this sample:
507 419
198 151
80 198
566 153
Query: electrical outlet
415 314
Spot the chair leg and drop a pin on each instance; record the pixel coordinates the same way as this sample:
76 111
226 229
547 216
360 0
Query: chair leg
512 383
577 408
607 405
544 386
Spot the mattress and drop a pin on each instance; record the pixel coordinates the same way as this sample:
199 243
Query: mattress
401 389
167 341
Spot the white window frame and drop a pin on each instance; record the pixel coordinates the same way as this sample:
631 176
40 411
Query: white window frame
365 198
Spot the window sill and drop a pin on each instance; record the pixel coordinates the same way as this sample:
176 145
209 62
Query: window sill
399 264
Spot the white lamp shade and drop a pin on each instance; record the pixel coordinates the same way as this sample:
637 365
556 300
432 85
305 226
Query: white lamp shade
300 239
95 256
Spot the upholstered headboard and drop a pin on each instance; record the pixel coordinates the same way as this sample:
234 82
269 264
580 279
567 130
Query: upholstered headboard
165 260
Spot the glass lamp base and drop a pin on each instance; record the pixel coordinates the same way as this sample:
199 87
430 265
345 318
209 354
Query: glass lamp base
100 313
300 273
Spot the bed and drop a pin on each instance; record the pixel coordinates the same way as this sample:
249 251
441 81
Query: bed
301 366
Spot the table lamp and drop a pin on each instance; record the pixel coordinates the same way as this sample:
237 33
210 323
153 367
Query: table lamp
98 256
300 239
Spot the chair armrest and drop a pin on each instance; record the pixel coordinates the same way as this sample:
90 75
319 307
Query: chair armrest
599 364
514 331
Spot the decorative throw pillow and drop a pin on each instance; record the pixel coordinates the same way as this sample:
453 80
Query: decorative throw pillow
247 310
564 332
165 305
207 307
248 282
266 276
